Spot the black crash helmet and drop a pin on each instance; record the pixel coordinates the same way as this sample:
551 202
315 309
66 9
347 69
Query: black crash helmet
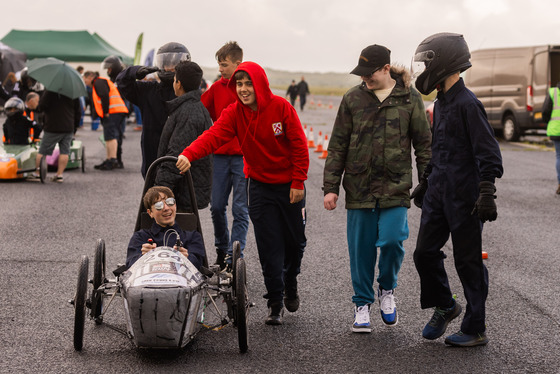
440 56
13 106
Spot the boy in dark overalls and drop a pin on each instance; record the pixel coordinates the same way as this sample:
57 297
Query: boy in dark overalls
457 196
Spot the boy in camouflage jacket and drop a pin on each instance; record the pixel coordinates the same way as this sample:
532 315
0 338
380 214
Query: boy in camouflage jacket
376 125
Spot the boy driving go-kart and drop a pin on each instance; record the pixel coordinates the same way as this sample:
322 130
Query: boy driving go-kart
159 202
169 292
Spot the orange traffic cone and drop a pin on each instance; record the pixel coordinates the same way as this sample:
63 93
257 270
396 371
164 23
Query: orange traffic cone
325 148
319 143
311 139
484 255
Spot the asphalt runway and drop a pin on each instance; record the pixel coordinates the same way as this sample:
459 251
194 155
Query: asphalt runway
45 228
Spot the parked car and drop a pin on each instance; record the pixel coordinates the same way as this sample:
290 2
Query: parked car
512 84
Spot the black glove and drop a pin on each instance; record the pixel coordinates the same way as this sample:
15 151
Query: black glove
420 190
145 70
485 206
418 194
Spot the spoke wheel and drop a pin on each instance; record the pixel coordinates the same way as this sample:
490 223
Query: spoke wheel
99 266
80 304
236 254
241 304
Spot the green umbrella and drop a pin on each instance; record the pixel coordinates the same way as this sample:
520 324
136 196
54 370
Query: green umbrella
57 76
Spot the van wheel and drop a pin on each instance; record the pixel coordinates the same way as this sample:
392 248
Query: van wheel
511 130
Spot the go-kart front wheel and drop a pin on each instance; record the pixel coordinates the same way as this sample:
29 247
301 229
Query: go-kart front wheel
43 169
99 266
236 254
80 304
241 304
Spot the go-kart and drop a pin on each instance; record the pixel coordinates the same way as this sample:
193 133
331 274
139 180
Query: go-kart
76 157
18 162
166 300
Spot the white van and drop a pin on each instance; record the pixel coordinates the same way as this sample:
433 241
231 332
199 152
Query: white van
512 84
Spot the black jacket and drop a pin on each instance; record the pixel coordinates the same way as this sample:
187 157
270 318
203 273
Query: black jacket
16 129
188 119
150 97
62 114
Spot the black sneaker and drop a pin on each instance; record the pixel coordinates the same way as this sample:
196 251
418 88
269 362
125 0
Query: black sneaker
461 339
440 319
292 304
109 165
291 297
101 165
118 165
275 313
220 259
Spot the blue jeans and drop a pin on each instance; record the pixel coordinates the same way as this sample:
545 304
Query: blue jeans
228 175
557 147
368 229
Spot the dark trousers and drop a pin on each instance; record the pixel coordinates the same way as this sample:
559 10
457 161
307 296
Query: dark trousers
280 235
467 252
302 100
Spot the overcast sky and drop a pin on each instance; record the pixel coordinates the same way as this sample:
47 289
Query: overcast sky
294 35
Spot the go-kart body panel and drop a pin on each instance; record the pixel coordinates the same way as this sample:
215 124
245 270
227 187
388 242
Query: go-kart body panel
74 158
162 295
17 161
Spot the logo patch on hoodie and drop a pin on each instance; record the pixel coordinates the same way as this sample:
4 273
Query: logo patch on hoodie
277 128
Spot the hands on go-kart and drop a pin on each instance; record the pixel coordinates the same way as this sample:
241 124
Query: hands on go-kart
147 247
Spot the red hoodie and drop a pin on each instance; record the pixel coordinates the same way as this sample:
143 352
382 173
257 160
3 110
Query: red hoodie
271 138
216 99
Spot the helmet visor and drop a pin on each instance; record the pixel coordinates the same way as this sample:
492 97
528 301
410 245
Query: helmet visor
168 61
420 62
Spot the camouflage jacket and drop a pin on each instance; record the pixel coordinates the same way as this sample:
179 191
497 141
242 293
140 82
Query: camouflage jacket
371 144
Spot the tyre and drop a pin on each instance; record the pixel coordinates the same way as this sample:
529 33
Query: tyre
241 304
80 304
83 159
236 249
99 266
511 130
43 169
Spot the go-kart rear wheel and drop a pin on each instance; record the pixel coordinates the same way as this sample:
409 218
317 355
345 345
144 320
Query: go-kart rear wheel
80 304
43 169
83 159
241 304
99 266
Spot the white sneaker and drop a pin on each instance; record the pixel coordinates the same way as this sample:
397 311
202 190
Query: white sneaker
387 307
361 319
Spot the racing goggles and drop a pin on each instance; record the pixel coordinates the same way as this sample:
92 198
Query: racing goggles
159 205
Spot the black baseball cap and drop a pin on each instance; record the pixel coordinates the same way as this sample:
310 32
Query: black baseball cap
372 58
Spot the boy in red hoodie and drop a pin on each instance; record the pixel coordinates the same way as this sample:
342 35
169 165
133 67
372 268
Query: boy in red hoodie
276 163
228 163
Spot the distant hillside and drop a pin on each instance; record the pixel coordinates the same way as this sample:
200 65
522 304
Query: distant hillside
319 83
